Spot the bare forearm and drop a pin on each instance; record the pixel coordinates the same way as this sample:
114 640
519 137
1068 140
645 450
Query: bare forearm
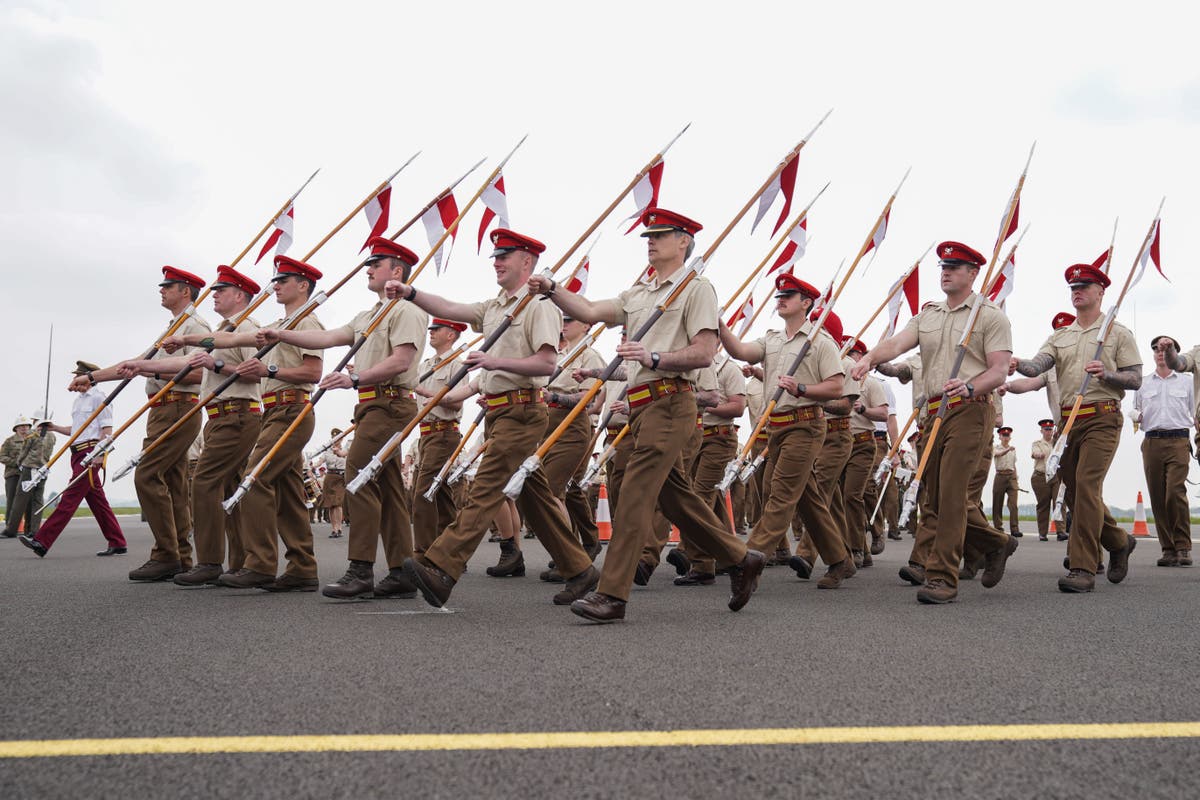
840 407
534 366
697 355
439 306
1032 367
580 308
750 352
876 413
895 369
828 389
1126 378
390 367
730 409
315 340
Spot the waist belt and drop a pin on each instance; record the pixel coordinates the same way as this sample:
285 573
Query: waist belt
936 401
700 421
285 397
441 425
837 423
718 430
514 398
175 397
795 415
223 407
366 393
1005 471
762 436
863 436
1178 433
881 435
336 471
1090 409
79 447
644 393
613 430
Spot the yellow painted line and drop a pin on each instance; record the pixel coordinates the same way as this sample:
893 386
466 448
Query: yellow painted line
592 739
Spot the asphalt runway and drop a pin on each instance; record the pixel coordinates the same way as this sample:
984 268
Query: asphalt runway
89 655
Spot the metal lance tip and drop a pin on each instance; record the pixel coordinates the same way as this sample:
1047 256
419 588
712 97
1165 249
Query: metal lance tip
748 471
232 502
517 482
99 451
910 502
368 472
125 470
731 472
455 475
433 488
885 467
37 477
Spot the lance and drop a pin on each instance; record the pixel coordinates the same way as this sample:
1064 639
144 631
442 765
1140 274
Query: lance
309 306
896 288
41 473
1055 457
441 476
736 467
882 491
1012 252
910 496
436 199
1111 243
605 456
329 445
383 312
389 447
885 466
455 353
462 469
517 482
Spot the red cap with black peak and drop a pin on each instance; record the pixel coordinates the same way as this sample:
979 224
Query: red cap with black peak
787 283
1004 431
383 247
505 241
833 324
1061 320
445 323
176 275
660 220
285 266
1086 273
957 252
858 345
1045 423
228 276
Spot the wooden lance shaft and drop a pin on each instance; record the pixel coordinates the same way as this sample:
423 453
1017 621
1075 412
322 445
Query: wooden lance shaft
474 457
445 470
899 286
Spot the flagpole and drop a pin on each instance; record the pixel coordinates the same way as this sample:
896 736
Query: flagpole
282 210
1011 254
437 199
359 207
1111 243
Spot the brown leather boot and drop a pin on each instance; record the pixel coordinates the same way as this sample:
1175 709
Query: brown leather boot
358 582
937 592
511 563
155 571
1077 581
836 574
1185 557
199 575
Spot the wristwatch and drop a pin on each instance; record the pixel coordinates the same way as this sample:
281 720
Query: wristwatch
218 365
354 379
272 370
801 390
970 389
654 359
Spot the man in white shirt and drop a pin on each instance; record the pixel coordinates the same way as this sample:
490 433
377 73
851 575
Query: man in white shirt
1164 407
91 487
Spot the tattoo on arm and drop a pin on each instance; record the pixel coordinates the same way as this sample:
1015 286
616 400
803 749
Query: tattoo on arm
1128 378
1174 359
894 370
1032 367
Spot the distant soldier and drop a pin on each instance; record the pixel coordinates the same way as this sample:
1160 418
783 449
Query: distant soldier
36 450
1004 482
10 457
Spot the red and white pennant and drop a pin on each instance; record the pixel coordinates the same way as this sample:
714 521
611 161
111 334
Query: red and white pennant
436 220
377 209
496 201
282 235
784 182
645 193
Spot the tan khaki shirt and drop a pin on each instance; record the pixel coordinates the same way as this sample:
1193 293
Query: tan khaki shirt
755 401
695 310
288 356
435 383
193 324
730 383
587 359
778 352
540 324
1074 346
1005 461
232 356
938 329
1041 451
850 387
404 324
872 395
612 393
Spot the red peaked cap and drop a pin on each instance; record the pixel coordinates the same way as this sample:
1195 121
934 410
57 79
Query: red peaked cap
957 251
660 220
1086 273
445 323
833 324
1061 320
285 266
1004 431
176 275
505 241
228 276
858 345
1045 423
787 283
383 247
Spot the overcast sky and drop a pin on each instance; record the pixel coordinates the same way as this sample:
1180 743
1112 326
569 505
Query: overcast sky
138 134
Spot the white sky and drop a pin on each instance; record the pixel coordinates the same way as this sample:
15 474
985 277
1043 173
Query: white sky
138 134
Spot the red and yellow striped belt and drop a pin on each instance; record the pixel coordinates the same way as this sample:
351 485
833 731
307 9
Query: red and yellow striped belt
718 430
285 397
175 397
366 393
795 415
936 401
440 425
837 424
1090 409
644 393
514 398
863 436
223 407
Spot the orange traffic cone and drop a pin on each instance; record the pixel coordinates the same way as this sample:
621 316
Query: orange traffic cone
1139 519
729 513
603 516
674 538
1053 527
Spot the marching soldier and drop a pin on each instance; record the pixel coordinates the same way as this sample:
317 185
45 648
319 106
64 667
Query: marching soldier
161 478
871 407
274 506
91 489
36 450
1004 482
662 368
1043 489
966 430
1097 428
440 435
386 369
333 489
513 375
10 457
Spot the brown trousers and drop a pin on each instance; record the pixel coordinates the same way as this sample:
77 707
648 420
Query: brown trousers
274 509
716 451
162 484
377 420
828 471
1044 491
754 488
1085 461
791 479
888 518
655 474
515 431
431 518
228 440
854 493
950 511
661 530
1166 463
566 460
1004 485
